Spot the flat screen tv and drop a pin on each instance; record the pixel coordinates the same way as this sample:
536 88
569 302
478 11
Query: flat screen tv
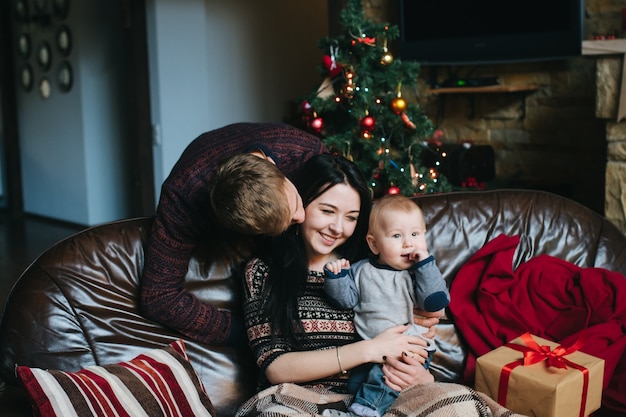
463 32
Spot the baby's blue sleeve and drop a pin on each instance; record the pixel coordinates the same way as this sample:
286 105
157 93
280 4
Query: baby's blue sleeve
341 288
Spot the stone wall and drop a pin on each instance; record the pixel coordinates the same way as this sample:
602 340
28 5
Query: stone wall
615 206
608 79
546 139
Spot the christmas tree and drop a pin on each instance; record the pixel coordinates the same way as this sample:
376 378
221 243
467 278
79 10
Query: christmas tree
360 112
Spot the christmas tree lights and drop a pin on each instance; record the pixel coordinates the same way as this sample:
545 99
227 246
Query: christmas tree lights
360 112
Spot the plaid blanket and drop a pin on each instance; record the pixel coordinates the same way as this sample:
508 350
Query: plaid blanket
433 400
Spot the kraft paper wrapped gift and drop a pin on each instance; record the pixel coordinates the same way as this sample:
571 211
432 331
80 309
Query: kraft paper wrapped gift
539 378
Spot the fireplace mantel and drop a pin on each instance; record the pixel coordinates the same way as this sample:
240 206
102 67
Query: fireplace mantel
616 49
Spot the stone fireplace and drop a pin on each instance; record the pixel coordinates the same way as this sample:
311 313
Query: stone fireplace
611 107
557 137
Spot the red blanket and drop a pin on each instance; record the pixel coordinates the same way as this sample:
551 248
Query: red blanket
548 297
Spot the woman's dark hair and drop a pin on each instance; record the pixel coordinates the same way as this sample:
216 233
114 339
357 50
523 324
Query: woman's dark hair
286 254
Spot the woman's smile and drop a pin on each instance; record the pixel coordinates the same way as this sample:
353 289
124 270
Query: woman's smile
330 220
328 239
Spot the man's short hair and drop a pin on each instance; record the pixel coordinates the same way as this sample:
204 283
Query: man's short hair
248 196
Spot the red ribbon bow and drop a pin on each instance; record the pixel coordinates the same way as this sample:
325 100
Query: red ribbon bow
367 40
534 353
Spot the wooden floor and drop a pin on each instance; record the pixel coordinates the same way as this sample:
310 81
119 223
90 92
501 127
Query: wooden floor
21 241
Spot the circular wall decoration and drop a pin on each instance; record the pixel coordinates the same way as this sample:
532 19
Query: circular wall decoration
64 40
61 8
45 88
44 56
65 77
26 77
21 10
23 45
41 6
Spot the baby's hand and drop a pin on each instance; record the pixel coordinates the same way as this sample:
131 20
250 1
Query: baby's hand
419 255
337 265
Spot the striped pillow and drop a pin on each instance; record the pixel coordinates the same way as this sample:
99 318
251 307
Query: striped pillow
161 382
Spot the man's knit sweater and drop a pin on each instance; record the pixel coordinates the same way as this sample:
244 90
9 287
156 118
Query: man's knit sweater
184 219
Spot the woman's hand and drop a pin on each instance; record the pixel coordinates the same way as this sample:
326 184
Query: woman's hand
427 319
407 371
393 343
306 366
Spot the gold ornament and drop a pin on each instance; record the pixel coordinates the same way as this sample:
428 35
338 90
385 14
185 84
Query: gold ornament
398 105
386 59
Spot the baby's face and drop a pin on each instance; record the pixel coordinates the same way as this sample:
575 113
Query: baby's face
398 238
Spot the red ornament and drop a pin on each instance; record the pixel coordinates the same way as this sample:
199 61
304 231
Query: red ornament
331 65
316 125
470 182
307 109
368 123
394 189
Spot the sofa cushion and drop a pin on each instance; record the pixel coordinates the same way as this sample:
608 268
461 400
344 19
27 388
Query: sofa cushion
160 382
76 306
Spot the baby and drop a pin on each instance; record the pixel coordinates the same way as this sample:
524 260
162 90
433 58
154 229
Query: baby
384 290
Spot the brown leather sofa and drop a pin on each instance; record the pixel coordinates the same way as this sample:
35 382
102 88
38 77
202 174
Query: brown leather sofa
76 305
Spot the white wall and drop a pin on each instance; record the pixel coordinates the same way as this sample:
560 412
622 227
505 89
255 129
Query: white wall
216 62
72 144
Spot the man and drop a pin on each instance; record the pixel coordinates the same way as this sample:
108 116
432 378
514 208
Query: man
228 185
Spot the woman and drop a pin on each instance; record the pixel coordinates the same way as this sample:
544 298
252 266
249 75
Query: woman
295 334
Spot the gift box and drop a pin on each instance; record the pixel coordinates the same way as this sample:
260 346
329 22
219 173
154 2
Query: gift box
537 377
